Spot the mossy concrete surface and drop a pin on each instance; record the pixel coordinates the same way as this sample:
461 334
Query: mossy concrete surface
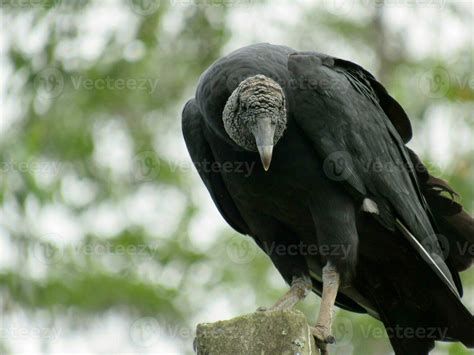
269 332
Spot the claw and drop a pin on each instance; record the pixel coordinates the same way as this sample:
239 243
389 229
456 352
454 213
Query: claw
322 337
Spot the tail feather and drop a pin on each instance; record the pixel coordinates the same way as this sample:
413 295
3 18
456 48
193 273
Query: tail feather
453 222
417 307
414 321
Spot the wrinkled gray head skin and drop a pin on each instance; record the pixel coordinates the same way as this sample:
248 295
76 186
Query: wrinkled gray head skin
255 115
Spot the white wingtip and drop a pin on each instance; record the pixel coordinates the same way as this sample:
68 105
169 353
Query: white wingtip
369 206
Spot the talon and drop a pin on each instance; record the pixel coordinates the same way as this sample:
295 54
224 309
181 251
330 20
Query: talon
322 333
322 337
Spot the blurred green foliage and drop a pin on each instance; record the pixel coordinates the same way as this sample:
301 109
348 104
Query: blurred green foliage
100 209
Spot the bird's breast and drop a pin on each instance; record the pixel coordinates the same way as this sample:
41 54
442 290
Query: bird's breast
282 192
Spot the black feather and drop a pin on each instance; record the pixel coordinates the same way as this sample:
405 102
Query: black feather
337 114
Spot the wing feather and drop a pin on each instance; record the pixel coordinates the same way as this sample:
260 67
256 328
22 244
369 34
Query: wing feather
202 157
341 112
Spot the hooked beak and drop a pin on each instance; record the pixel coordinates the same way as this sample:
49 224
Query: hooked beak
265 152
264 140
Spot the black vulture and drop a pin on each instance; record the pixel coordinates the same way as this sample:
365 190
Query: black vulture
381 235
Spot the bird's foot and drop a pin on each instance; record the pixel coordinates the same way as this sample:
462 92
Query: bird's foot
323 337
300 288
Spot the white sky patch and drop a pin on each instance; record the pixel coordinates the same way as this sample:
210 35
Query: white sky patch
173 20
20 37
57 224
430 38
435 138
115 20
275 279
220 308
134 51
104 220
37 37
437 127
113 146
76 191
260 24
32 207
10 216
8 253
46 172
25 332
127 335
157 208
171 145
11 82
207 223
171 275
203 272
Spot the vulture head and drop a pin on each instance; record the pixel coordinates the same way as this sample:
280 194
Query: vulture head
255 116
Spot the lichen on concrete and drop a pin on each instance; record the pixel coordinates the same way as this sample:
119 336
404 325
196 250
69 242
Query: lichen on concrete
270 332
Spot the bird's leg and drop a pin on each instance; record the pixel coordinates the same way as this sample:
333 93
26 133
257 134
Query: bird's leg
322 330
300 288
